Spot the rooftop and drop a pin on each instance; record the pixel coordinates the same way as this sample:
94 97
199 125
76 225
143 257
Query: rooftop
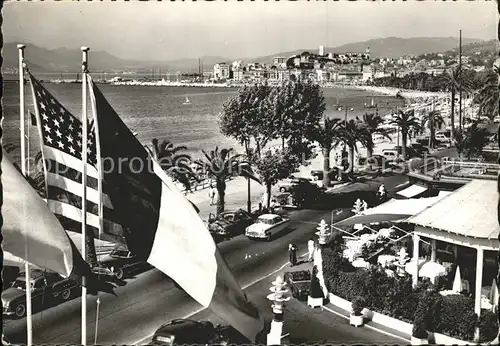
470 211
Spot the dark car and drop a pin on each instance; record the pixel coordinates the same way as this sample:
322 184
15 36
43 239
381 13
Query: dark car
305 194
375 163
286 185
47 288
184 331
229 223
119 263
420 149
335 174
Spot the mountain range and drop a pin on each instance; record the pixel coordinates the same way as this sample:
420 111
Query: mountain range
68 60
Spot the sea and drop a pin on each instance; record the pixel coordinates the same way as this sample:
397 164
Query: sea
159 112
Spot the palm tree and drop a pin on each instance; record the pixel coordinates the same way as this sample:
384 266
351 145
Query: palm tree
488 96
325 135
371 123
472 140
406 121
222 164
433 120
455 79
173 162
350 133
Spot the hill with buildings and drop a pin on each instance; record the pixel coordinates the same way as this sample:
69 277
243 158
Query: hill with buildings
68 60
390 47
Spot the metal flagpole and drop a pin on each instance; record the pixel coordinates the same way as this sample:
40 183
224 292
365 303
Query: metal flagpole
99 186
29 316
84 184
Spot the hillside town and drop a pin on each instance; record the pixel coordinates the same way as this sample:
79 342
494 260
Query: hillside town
346 68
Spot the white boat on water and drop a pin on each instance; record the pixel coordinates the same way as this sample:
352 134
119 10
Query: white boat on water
187 102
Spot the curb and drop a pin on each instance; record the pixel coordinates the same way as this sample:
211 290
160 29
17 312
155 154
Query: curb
368 326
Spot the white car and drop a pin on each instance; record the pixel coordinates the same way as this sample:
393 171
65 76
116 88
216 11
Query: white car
267 226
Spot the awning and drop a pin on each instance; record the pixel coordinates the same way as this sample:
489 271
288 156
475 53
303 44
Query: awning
474 208
412 191
391 211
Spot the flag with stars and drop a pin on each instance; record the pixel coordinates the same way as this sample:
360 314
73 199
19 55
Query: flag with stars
61 137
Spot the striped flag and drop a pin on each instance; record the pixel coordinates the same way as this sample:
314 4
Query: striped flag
60 134
164 228
33 233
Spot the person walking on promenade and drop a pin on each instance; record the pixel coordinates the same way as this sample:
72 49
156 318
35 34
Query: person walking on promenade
211 194
292 250
311 247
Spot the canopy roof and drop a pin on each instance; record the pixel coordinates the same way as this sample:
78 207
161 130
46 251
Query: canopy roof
393 210
469 211
412 191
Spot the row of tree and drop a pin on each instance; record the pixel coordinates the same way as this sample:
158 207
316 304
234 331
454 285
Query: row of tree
292 113
458 81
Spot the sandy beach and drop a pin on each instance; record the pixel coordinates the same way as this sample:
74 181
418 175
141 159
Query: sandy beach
403 92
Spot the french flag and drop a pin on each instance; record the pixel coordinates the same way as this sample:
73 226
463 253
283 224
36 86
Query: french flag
162 226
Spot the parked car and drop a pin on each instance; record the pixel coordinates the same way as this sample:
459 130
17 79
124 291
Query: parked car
184 331
377 162
229 223
119 263
441 138
46 288
335 174
267 226
286 185
420 149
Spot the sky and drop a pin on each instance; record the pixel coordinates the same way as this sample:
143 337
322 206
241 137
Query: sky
173 30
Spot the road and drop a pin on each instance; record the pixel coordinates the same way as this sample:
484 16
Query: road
145 302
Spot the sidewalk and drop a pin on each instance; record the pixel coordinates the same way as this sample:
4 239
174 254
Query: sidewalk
305 325
298 312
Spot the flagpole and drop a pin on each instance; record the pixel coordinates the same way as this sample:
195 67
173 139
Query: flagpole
29 316
99 183
84 185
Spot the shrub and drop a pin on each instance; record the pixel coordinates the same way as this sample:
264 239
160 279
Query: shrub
315 290
457 317
488 326
299 275
300 290
419 322
358 304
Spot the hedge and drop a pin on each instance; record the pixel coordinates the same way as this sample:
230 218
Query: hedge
451 315
488 326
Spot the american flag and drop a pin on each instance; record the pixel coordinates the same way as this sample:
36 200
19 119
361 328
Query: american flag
61 137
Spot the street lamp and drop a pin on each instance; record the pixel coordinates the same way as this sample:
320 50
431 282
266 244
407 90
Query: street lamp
278 298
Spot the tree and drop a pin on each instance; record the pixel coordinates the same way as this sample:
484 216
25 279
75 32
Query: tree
350 133
326 134
371 123
406 121
173 162
453 79
488 96
472 141
294 109
433 120
273 166
222 164
243 118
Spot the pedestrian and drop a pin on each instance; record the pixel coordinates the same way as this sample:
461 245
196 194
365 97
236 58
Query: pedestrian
292 250
211 195
310 248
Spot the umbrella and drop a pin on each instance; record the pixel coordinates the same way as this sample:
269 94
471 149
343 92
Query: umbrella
457 282
494 295
410 266
431 270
